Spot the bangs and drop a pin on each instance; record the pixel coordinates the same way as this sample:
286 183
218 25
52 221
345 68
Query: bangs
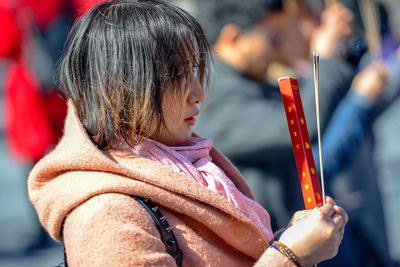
183 50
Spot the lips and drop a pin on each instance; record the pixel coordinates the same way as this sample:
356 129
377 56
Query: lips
192 120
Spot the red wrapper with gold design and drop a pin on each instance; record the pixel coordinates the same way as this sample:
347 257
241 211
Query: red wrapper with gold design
301 143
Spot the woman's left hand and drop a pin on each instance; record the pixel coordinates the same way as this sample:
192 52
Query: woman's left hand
302 214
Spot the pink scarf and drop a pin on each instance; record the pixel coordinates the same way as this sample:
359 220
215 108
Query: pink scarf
193 159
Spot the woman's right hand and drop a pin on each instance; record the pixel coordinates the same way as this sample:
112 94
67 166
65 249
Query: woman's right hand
317 237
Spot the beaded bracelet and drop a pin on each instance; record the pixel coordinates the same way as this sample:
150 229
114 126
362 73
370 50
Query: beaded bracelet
285 251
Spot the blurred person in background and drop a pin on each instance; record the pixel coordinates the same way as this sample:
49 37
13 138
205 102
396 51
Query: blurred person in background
244 50
247 38
378 154
384 149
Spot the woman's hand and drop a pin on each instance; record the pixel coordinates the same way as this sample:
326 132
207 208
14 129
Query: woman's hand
315 235
298 216
302 214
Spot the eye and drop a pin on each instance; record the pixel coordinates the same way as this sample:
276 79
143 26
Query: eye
195 69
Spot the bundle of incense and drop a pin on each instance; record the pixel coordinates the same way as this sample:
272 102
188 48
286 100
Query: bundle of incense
370 18
316 85
301 143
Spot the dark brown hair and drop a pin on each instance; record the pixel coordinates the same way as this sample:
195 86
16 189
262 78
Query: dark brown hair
122 58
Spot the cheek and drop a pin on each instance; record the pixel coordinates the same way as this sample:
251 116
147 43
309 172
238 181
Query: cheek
172 116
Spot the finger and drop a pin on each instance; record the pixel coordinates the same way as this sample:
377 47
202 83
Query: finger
340 240
380 67
327 210
330 200
339 210
337 221
341 231
348 15
300 215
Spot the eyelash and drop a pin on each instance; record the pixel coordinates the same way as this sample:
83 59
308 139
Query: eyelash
195 68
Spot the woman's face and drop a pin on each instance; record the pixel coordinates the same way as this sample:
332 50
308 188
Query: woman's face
180 117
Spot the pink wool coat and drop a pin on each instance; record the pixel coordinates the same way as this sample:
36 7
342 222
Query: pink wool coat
81 195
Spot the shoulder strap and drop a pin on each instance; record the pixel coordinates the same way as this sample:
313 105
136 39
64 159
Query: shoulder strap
167 236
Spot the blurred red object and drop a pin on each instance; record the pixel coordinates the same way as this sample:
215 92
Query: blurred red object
82 6
33 117
10 35
28 124
44 12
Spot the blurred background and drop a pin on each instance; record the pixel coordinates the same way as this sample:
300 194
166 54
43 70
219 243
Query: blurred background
362 173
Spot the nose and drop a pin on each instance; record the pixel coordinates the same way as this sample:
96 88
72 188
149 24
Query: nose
196 95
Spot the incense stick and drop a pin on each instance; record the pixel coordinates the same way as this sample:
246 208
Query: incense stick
316 85
371 22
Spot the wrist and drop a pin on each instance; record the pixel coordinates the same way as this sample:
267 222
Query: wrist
297 248
282 248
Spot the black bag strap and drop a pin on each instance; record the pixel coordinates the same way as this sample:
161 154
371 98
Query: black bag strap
166 234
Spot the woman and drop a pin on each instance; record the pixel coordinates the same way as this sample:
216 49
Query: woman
133 73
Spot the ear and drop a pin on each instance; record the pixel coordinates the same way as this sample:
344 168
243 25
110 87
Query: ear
228 35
